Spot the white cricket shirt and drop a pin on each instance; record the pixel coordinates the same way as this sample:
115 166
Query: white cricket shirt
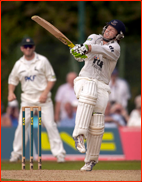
33 75
101 60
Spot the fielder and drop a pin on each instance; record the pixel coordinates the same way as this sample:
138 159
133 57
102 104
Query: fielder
92 88
37 78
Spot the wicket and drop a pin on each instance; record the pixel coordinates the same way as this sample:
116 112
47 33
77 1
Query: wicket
31 137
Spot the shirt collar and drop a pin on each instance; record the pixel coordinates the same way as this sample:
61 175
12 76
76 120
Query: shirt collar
110 42
36 58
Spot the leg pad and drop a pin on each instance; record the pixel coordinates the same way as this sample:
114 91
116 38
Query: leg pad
94 138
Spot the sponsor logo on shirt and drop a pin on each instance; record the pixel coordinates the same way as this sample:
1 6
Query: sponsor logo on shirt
53 76
30 78
90 39
97 63
111 48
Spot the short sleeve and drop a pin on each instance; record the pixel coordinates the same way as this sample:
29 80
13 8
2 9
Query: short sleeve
13 77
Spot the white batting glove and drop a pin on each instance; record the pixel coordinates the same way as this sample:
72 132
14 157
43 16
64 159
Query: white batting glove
75 48
80 49
78 52
79 59
83 49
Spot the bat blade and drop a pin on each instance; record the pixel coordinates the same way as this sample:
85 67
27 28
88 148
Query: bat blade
53 30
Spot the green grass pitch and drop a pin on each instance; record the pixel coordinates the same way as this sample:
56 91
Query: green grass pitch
73 165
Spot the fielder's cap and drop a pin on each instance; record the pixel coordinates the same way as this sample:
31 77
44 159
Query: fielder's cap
13 103
27 41
115 72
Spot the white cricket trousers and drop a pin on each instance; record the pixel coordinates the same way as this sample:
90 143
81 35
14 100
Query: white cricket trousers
47 118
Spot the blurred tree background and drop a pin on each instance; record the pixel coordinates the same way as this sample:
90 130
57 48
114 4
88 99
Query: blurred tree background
72 19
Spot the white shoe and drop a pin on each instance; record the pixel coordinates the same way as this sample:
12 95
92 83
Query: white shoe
14 158
60 158
79 143
88 166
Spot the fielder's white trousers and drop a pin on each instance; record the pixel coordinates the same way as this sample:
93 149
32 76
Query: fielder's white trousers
47 118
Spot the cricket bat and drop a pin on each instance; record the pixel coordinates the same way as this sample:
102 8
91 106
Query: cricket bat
53 30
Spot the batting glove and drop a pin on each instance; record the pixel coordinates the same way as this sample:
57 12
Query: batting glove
83 49
80 59
80 48
78 56
79 51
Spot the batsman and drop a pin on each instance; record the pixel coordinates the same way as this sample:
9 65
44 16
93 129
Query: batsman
92 87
